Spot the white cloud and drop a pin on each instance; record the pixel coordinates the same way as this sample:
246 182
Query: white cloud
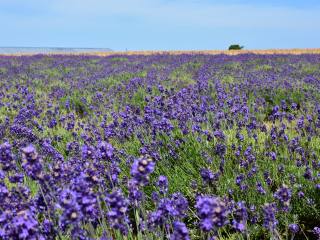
169 13
192 13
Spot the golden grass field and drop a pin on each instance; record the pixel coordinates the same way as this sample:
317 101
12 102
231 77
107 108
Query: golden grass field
213 52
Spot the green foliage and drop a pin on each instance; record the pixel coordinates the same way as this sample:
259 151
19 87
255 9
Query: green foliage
183 75
264 67
138 99
3 70
227 79
118 59
310 68
235 47
78 102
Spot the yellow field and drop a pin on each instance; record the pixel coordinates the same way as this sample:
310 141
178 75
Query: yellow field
213 52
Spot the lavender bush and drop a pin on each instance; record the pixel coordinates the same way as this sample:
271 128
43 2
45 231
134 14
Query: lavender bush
160 147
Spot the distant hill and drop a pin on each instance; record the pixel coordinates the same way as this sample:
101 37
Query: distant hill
49 50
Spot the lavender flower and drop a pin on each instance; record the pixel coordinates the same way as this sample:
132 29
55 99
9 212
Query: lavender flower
212 212
31 162
6 157
294 228
283 195
180 232
141 169
240 217
269 211
316 231
117 215
163 184
208 176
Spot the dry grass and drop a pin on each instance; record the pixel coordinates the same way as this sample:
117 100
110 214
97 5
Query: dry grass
211 52
214 52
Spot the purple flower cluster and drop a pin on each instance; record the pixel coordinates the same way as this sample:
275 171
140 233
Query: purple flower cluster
213 212
283 195
270 221
31 162
117 215
174 207
180 231
141 169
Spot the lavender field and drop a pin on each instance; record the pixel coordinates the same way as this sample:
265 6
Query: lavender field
160 147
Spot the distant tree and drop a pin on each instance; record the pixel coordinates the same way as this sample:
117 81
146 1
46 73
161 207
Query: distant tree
235 47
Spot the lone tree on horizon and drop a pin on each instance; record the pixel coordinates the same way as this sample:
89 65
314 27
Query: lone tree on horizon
235 47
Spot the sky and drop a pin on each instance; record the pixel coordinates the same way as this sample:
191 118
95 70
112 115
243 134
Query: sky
160 24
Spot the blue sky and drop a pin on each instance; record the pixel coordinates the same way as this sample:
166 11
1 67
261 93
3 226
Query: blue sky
160 24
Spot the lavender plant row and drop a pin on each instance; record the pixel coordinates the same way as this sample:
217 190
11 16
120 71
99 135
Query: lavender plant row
160 147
